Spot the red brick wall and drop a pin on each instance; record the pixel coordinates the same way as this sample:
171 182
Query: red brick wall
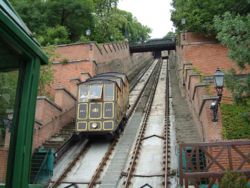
72 52
64 73
202 56
41 134
46 110
65 99
3 162
92 58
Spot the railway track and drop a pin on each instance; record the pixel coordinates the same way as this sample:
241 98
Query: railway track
148 165
113 174
140 136
62 180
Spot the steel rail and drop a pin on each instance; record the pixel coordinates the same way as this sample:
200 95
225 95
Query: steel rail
71 165
138 78
166 146
102 164
137 147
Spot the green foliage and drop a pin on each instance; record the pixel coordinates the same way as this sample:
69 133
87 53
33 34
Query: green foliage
8 84
54 35
66 21
118 25
170 35
84 39
64 61
103 7
233 180
46 72
75 15
199 14
234 32
49 17
235 120
239 87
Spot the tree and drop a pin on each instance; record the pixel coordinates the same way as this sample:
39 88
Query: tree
8 84
233 32
75 15
54 35
66 21
41 16
170 35
199 14
119 25
104 7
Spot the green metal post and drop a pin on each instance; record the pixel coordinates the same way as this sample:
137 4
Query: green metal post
19 158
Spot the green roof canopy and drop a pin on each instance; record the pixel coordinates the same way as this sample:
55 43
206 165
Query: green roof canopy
16 40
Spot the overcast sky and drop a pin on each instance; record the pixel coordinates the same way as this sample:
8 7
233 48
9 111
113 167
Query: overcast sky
153 13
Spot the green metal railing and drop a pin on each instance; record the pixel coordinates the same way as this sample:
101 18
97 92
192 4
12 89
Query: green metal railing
45 170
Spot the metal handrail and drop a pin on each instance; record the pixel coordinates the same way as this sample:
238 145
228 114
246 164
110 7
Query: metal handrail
42 166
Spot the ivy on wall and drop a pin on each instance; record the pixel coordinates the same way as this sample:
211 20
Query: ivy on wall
236 120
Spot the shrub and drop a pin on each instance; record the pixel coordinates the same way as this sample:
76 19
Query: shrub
235 120
233 180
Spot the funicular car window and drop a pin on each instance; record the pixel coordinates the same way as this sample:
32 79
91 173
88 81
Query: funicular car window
108 92
95 91
83 93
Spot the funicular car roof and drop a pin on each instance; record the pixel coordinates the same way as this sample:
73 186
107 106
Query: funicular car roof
118 74
118 79
99 81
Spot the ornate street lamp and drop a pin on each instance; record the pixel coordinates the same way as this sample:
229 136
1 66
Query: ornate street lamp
219 84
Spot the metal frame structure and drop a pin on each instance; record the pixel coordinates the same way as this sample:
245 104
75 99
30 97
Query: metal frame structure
20 51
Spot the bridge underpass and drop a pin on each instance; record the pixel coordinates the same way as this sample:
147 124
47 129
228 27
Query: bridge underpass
155 45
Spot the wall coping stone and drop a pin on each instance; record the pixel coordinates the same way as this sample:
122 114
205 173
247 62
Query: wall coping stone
105 48
202 84
190 76
75 79
50 102
110 48
86 73
114 46
66 91
38 122
198 43
76 43
73 61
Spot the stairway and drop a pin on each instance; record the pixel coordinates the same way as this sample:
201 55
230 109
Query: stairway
43 158
58 140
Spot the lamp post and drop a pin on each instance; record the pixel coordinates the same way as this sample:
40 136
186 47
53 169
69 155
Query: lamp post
183 22
88 32
219 84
